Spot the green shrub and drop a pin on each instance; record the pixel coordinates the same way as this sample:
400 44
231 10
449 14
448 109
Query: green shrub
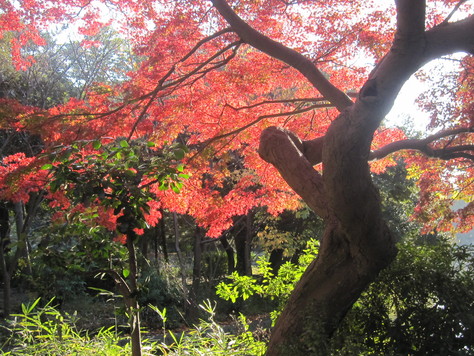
277 287
423 304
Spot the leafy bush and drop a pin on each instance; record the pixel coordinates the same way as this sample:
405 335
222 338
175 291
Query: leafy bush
423 304
277 287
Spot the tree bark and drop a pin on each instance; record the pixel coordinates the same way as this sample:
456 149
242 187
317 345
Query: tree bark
131 298
243 241
4 242
230 254
192 312
178 252
164 246
276 260
357 243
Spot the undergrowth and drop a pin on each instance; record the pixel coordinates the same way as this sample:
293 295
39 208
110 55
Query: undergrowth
45 331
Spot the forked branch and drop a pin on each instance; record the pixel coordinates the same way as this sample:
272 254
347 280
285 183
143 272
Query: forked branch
424 146
287 55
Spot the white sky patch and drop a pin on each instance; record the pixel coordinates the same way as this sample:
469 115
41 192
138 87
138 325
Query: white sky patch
405 110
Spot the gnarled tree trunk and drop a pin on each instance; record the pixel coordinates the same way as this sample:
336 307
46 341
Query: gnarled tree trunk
356 244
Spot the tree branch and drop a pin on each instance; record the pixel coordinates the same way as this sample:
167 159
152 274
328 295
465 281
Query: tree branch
284 150
456 8
119 281
287 55
423 145
410 18
449 38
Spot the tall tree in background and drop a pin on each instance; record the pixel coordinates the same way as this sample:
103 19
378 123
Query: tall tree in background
220 72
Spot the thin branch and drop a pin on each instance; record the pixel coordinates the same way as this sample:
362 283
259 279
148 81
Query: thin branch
422 145
161 86
287 55
258 119
203 41
118 279
456 8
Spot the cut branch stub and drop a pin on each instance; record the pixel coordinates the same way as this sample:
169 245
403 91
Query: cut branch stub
285 150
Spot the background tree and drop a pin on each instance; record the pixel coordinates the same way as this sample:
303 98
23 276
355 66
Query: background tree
114 184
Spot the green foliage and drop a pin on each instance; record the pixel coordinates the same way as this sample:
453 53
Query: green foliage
423 304
277 287
399 195
67 256
160 288
210 338
289 231
214 266
117 175
45 331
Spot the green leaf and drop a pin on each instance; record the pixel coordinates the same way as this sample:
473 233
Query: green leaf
97 144
150 144
47 166
124 144
179 154
126 272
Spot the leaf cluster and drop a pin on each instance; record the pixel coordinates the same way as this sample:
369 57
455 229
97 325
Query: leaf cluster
119 175
275 287
421 305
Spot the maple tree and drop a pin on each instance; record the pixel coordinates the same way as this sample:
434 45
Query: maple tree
218 73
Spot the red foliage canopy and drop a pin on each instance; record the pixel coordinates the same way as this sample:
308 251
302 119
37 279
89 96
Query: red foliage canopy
198 79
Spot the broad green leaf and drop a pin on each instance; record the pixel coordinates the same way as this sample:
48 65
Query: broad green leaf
47 166
124 144
179 154
97 144
126 272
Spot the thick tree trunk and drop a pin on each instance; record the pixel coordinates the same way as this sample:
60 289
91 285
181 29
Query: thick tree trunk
164 246
230 254
4 242
327 290
131 299
356 244
243 243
